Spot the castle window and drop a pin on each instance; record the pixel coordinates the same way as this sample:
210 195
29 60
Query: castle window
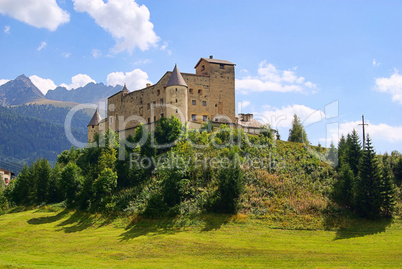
204 103
176 100
176 89
93 126
221 66
199 91
177 111
111 119
148 106
193 117
204 118
216 119
191 91
216 105
149 120
153 104
162 115
161 102
203 68
154 118
158 92
194 102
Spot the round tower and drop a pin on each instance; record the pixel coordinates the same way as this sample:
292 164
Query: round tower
177 96
93 126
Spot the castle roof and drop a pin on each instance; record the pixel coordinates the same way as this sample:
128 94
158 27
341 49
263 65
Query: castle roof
215 61
125 88
252 123
176 79
96 118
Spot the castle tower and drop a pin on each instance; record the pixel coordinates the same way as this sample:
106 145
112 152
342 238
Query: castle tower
93 126
221 101
177 96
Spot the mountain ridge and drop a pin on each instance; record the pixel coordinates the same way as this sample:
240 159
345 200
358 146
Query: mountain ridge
19 91
90 93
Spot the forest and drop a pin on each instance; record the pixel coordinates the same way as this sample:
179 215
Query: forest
30 132
216 170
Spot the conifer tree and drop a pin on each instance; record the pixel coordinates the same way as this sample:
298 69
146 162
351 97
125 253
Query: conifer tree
42 182
297 132
344 187
333 154
342 152
387 192
368 187
354 151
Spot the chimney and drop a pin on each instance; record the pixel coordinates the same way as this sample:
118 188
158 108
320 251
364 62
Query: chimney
211 57
148 85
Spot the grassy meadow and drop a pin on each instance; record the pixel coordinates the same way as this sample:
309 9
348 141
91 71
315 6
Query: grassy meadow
56 238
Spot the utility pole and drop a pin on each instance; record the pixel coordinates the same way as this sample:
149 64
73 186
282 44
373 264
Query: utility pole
364 134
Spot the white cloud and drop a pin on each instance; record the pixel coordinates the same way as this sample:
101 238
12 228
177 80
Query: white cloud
127 22
164 47
96 53
40 14
43 84
377 132
3 81
145 61
136 79
283 117
66 54
375 63
271 79
244 104
42 46
7 29
391 85
77 81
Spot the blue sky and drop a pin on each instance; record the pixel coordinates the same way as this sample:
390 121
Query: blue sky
327 61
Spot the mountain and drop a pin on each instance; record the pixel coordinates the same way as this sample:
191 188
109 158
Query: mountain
24 138
91 93
19 91
55 115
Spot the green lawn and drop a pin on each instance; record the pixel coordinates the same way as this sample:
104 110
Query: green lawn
45 239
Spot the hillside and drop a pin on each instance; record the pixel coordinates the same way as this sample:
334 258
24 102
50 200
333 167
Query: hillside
91 93
19 91
54 115
26 138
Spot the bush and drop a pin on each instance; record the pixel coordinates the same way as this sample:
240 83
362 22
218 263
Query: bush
230 187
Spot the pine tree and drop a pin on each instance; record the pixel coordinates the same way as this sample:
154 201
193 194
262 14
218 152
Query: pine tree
42 182
387 192
297 132
368 187
354 151
342 152
398 171
333 154
344 187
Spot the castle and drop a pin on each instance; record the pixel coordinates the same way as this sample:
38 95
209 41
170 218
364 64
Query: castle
207 95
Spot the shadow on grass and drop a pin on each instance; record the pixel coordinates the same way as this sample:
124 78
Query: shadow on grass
49 219
77 222
146 227
215 221
142 227
361 227
348 226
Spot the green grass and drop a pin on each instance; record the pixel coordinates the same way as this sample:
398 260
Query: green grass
43 238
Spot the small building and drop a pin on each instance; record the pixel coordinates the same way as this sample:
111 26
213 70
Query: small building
6 176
